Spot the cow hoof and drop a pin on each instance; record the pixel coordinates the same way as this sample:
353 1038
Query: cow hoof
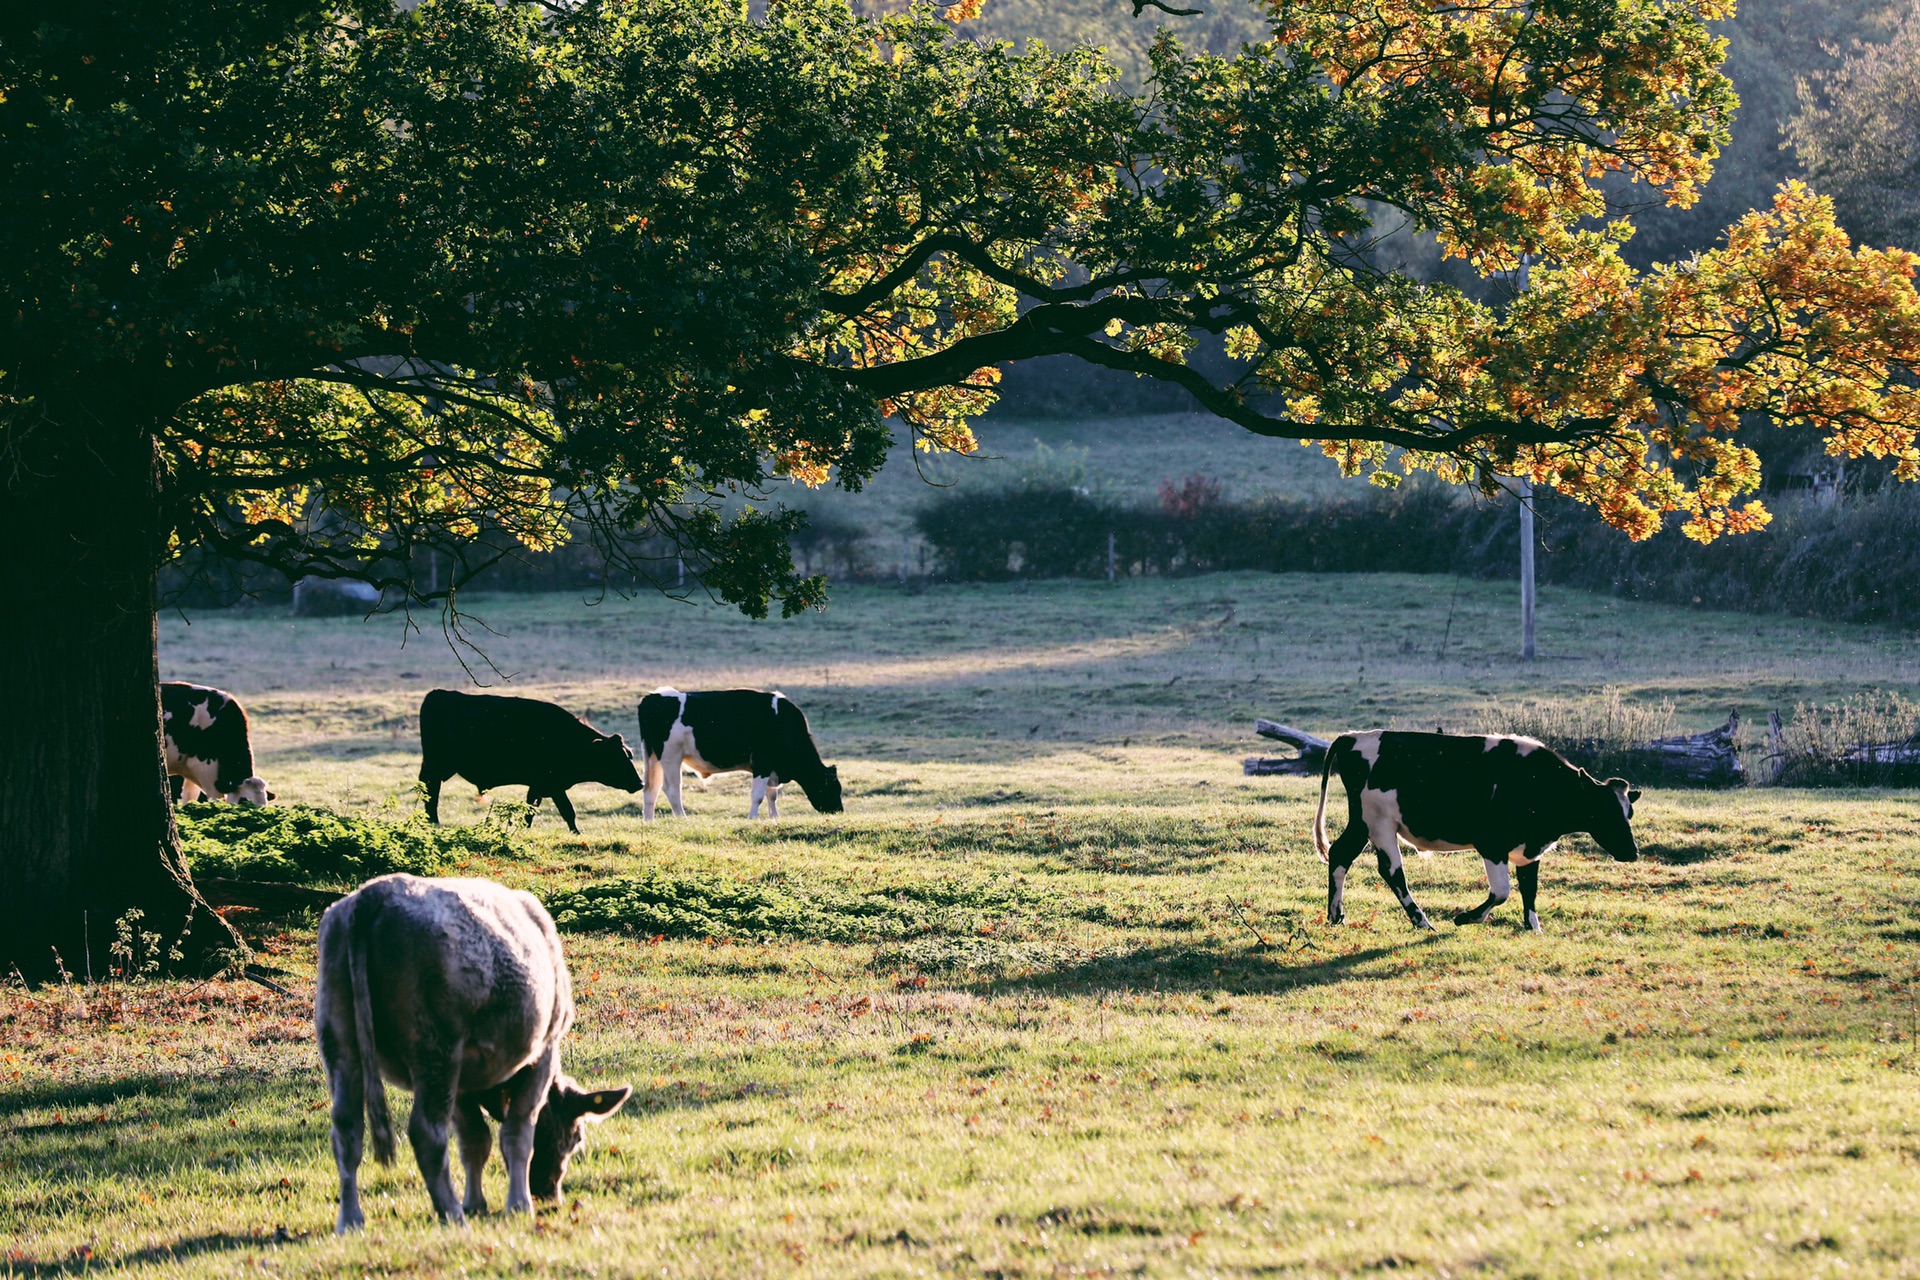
346 1226
1533 924
1424 925
1470 917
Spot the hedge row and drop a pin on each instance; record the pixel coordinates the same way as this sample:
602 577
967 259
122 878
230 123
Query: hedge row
1857 560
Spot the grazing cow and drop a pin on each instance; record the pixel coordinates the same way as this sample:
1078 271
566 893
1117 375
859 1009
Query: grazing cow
207 750
496 742
457 990
1510 798
726 731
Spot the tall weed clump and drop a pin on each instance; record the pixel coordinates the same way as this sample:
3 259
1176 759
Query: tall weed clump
1604 735
1832 745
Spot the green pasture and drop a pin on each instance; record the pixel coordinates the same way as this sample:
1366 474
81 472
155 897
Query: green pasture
1053 997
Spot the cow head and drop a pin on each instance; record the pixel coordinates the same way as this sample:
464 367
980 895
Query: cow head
824 791
561 1129
252 791
613 764
1612 817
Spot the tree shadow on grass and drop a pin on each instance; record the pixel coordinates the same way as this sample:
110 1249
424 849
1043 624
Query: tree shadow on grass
1189 968
84 1260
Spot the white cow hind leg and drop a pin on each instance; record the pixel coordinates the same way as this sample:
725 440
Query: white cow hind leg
1498 888
759 793
773 797
1386 845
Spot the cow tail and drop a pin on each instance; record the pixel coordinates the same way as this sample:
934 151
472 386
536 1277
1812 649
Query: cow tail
379 1122
1320 842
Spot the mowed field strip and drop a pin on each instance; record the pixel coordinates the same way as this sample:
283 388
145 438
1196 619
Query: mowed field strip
1103 1031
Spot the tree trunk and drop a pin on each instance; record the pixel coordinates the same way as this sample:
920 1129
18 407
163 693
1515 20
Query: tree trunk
85 822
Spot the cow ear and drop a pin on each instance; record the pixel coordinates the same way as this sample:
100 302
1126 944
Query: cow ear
602 1103
1633 795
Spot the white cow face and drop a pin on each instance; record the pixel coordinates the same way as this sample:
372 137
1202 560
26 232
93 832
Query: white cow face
252 791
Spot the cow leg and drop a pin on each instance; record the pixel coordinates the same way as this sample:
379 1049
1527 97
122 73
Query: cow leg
433 797
433 1105
348 1083
476 1144
1340 859
526 1094
650 788
755 796
534 797
672 782
564 807
189 790
773 795
1528 874
1498 887
1393 870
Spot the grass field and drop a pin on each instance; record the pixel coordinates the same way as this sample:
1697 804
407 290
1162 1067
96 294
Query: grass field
1055 998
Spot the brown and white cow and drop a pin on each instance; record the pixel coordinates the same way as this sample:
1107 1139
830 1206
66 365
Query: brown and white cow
457 990
1510 798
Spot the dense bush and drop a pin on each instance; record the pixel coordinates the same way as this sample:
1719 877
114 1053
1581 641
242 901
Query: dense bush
657 903
301 845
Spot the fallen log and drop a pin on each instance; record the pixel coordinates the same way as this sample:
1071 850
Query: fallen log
1707 759
1310 756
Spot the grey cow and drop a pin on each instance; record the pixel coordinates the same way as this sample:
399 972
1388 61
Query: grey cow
457 990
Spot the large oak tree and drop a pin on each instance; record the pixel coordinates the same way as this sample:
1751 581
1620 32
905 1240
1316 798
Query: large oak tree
318 284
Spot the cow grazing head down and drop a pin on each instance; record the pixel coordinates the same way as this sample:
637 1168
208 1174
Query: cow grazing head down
613 764
824 791
561 1130
252 791
1612 817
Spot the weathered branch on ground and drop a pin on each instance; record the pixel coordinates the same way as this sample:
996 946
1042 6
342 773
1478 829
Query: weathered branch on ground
1312 752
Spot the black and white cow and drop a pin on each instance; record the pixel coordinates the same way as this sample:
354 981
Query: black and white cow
207 748
728 731
456 989
1509 798
497 742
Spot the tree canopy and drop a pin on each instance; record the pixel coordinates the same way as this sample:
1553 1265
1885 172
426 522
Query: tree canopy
1857 134
388 278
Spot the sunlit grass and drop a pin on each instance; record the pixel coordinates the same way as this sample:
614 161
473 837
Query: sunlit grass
1113 1036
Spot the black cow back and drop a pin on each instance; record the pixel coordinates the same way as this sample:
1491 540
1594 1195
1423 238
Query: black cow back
494 741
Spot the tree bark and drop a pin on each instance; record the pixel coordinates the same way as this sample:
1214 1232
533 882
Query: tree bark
85 821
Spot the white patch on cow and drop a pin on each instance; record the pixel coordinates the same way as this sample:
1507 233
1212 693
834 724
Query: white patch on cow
1368 746
1522 745
777 695
1527 746
680 743
196 775
1519 856
1492 740
252 791
202 715
1533 922
1626 805
1499 884
1380 814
